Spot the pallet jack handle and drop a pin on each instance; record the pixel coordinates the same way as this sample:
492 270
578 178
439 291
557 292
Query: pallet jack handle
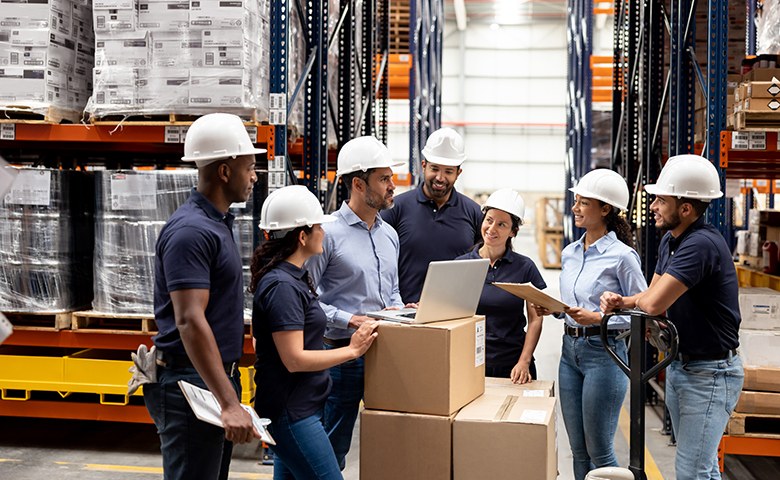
640 317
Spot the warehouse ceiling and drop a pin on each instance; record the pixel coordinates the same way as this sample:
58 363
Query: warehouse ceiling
508 12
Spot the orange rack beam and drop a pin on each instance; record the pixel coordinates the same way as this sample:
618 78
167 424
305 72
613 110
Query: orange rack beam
759 446
75 411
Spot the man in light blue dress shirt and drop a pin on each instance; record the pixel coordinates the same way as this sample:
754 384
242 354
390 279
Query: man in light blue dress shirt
356 273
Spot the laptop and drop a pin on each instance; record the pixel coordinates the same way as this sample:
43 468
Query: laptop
451 290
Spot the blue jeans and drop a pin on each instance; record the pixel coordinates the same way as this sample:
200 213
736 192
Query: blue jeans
303 450
341 409
592 388
700 396
191 448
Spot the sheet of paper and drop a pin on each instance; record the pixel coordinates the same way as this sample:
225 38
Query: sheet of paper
533 416
7 177
6 329
528 292
205 406
30 187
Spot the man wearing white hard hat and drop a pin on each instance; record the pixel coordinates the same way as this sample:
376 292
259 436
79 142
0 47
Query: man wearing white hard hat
198 305
356 273
695 282
434 221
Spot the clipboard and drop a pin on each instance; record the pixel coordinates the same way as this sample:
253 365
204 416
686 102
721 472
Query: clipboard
529 293
205 406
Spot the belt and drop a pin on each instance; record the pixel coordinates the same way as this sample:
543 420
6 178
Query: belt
591 331
338 343
685 358
183 361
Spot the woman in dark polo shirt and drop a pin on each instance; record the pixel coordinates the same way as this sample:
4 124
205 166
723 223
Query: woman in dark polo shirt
509 348
288 323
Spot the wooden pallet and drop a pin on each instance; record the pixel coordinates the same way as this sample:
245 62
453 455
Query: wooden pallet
550 247
754 425
399 26
47 321
90 320
47 115
753 121
166 119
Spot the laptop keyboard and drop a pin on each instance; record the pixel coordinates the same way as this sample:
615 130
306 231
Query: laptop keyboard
408 315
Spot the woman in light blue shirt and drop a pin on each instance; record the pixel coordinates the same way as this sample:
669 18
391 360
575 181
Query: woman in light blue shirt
592 387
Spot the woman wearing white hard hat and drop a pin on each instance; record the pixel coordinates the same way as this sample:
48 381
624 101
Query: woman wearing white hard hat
592 386
509 348
288 324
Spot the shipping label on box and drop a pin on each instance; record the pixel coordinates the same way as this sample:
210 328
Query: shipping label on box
421 446
218 14
495 433
222 38
163 88
114 20
226 57
122 52
427 369
24 15
164 15
19 56
22 85
219 87
759 308
61 54
30 38
176 50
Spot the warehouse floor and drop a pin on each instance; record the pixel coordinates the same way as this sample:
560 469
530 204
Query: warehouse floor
62 449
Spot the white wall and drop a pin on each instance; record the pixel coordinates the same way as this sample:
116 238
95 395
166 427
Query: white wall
514 75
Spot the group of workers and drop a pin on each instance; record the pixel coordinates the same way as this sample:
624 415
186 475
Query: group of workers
316 276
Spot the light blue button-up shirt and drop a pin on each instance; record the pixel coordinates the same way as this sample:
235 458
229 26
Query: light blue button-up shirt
357 272
607 265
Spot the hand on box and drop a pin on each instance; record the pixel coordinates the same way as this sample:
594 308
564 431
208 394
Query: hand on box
364 337
521 373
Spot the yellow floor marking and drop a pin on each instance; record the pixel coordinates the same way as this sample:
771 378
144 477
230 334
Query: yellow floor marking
158 470
9 460
651 469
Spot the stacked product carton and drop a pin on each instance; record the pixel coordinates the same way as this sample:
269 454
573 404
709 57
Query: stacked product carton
428 401
46 57
181 57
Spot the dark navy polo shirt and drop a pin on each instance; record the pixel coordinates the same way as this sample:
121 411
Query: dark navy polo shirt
196 250
505 313
282 302
427 233
707 314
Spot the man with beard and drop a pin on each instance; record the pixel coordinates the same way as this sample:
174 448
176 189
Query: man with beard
695 282
356 273
434 221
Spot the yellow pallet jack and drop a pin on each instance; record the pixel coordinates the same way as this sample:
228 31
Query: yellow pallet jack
638 377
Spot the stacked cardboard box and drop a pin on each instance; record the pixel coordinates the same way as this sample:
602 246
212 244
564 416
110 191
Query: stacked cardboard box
424 401
763 226
700 106
760 91
46 57
758 408
181 56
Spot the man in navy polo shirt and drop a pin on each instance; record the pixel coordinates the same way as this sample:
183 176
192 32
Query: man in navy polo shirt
695 282
198 305
434 222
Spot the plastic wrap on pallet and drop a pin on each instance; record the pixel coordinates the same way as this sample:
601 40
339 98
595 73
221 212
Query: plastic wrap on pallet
43 47
333 70
46 238
768 29
160 57
298 57
131 209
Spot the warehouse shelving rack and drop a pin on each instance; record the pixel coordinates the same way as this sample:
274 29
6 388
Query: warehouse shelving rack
362 37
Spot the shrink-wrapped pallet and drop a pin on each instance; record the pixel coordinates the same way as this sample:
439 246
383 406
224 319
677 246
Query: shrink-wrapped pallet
46 242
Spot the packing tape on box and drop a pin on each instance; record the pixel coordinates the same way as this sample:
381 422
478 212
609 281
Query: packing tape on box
506 407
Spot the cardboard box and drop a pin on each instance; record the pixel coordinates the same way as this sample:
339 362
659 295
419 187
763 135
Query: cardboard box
764 403
222 38
163 15
762 104
25 16
123 51
759 308
433 368
755 244
220 87
769 218
216 14
499 436
114 20
174 50
759 347
761 75
762 379
534 388
163 88
19 56
30 38
226 57
61 53
421 446
763 89
23 85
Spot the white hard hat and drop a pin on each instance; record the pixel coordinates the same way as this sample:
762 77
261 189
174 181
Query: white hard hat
508 201
216 136
363 153
289 208
688 176
605 185
445 147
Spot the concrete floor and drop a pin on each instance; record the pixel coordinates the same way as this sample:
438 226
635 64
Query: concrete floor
63 449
